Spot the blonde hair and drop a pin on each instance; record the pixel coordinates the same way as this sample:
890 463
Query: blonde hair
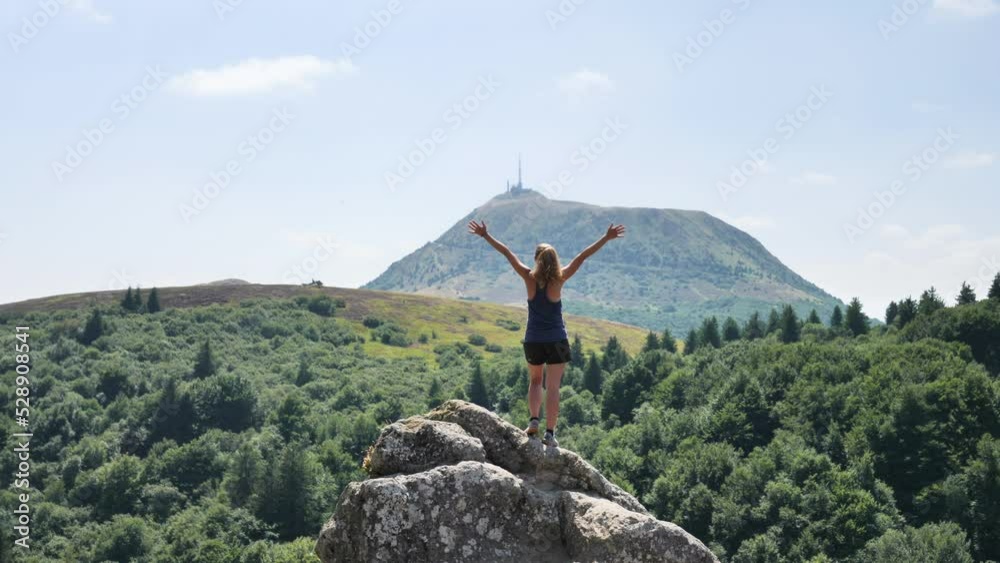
547 267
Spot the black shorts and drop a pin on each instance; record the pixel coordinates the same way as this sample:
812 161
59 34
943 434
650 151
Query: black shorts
538 353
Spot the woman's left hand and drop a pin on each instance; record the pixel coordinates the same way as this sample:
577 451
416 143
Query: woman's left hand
477 228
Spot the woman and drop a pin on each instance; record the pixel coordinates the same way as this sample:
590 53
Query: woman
545 339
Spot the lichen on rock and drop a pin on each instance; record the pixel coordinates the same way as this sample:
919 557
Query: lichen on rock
460 484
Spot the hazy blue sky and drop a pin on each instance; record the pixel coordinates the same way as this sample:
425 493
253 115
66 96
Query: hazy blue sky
312 115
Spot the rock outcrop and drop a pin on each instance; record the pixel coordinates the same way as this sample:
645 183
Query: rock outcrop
460 484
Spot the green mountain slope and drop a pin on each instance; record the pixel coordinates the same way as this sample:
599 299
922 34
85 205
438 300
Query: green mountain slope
673 268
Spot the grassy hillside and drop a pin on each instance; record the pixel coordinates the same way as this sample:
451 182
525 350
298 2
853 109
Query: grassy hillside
452 320
673 268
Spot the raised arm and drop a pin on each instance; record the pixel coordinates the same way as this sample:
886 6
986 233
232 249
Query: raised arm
613 233
515 262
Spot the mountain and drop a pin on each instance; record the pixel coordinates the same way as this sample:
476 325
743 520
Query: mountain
673 268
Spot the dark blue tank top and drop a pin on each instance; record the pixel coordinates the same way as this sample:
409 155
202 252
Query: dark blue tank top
545 322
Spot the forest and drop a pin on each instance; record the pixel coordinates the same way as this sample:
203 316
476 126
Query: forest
225 432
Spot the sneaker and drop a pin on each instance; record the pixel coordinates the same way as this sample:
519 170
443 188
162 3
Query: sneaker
532 429
549 439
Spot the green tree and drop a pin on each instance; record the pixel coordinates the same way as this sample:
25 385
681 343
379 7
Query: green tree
754 327
94 328
304 375
204 364
790 330
128 302
153 302
127 539
930 302
691 344
614 356
476 388
730 330
907 312
227 401
137 300
856 320
243 475
290 417
813 318
836 318
173 417
773 321
576 351
891 313
994 292
593 375
652 342
435 393
932 543
668 342
709 334
966 296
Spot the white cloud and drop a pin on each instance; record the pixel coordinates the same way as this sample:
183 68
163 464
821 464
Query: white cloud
814 179
923 106
584 83
971 160
895 231
86 8
967 8
254 76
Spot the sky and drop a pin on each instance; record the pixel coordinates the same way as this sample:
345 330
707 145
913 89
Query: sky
173 143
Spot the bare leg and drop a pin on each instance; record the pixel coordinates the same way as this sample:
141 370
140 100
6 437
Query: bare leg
534 389
552 380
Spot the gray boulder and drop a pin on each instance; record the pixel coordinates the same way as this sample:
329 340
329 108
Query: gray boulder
460 484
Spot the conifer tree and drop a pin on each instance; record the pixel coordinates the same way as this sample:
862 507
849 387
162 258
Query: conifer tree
667 341
773 321
127 301
614 355
476 389
929 302
856 320
137 300
789 325
576 351
435 393
891 313
153 302
995 289
966 296
94 328
204 365
304 375
691 344
814 318
907 311
652 342
593 376
730 330
710 335
754 327
837 318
